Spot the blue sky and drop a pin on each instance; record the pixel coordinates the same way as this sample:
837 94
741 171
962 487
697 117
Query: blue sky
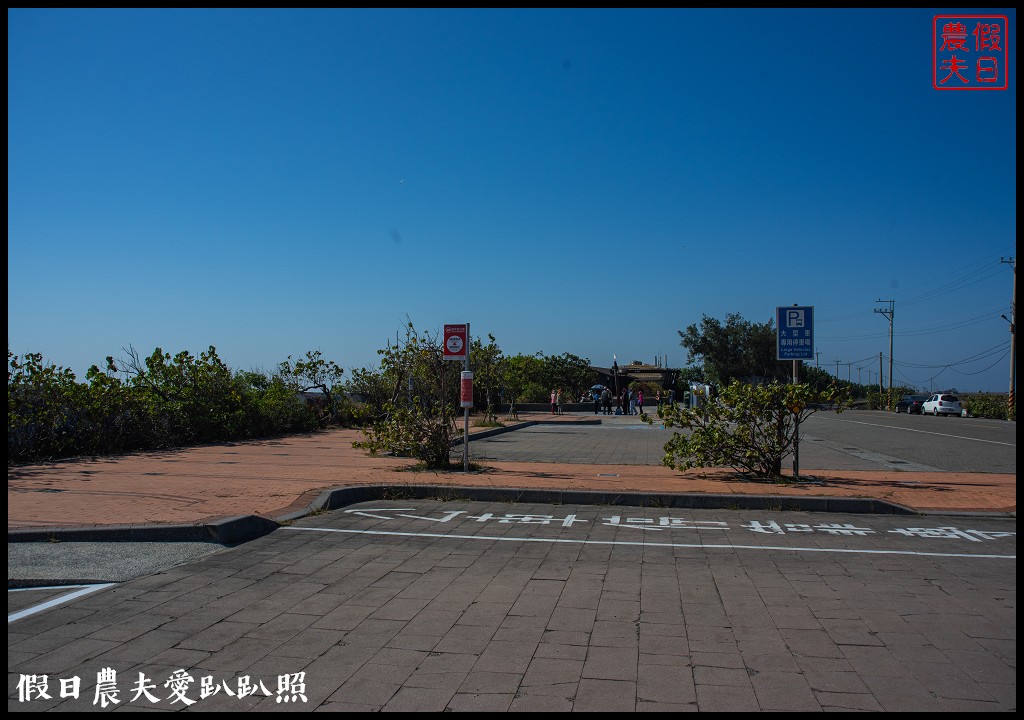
586 181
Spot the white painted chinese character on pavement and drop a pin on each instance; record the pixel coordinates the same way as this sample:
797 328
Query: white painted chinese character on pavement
369 512
143 687
245 689
508 518
70 687
843 529
771 527
952 532
291 687
29 685
178 682
207 687
450 515
106 687
684 524
663 523
635 523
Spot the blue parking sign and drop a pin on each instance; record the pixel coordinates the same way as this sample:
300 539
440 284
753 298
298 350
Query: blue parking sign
795 332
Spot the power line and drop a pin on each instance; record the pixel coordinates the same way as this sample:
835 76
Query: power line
973 358
988 368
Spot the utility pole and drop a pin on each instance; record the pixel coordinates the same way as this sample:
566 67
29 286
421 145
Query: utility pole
1011 404
879 377
837 368
889 314
816 354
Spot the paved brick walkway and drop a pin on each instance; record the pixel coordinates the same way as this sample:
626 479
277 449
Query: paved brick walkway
274 477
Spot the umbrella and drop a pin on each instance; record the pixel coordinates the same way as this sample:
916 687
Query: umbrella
597 387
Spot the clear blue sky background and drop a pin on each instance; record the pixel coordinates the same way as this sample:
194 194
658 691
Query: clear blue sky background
277 181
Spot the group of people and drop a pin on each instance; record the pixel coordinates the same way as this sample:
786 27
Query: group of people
556 401
628 402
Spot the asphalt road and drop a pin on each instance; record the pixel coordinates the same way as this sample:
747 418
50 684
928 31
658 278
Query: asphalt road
853 440
951 444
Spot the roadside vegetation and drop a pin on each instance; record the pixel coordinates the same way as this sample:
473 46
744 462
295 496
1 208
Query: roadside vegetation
161 401
750 428
407 405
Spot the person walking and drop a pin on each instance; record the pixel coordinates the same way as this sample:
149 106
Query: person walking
607 397
597 401
632 402
640 402
554 402
558 400
657 398
624 402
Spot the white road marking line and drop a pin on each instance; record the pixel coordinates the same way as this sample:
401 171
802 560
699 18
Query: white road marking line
926 432
68 597
654 544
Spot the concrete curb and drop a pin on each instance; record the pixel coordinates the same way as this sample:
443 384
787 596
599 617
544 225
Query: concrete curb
226 531
519 426
242 528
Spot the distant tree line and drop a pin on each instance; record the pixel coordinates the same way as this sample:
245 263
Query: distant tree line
140 403
161 401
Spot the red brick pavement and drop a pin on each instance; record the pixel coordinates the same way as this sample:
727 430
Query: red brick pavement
273 477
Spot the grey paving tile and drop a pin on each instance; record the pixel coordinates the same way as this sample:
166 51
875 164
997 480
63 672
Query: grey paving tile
901 694
611 663
576 651
548 671
874 661
533 701
480 702
471 639
506 657
419 700
725 698
483 681
733 677
947 681
605 695
365 691
786 691
847 701
666 684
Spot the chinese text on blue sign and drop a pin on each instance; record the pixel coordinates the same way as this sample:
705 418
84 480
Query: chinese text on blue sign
795 332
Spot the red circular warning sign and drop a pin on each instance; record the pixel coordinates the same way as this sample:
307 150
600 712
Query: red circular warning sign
455 342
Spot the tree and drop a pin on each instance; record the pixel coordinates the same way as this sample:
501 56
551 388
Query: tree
417 416
316 373
197 397
523 378
569 372
738 350
750 428
485 362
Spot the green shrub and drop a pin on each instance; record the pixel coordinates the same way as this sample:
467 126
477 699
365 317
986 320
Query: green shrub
986 405
749 428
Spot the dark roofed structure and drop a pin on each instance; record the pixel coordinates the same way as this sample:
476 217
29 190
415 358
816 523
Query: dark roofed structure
618 376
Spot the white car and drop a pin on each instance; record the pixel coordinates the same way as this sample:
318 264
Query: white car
942 404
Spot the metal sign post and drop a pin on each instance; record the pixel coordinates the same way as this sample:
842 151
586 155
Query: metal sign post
465 407
795 341
796 426
456 347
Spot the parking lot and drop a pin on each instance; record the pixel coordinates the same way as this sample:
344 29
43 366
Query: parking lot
451 602
431 605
